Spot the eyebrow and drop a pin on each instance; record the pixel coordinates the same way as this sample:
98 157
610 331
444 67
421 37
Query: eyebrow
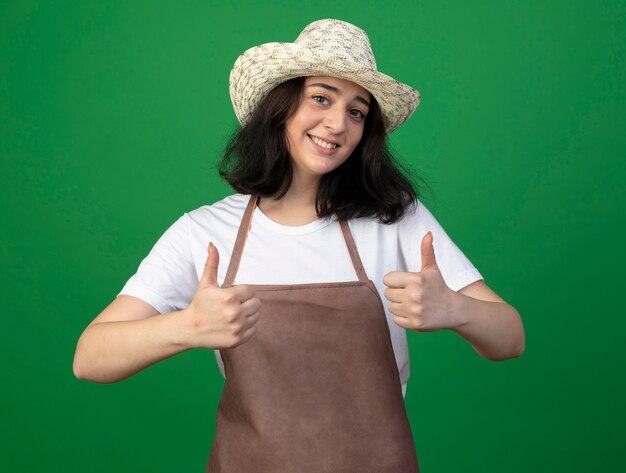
358 98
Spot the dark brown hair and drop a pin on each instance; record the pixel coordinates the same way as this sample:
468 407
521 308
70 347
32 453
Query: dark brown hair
370 183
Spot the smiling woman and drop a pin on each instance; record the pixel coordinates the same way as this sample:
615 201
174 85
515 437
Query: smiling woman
285 118
322 223
325 128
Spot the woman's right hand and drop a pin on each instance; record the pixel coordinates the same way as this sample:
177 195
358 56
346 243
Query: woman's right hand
220 317
127 337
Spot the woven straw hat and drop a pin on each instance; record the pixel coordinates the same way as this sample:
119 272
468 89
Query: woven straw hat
324 48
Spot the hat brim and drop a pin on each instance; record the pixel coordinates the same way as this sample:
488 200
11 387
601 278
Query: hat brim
261 68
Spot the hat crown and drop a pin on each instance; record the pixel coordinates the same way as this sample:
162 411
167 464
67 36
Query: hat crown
340 39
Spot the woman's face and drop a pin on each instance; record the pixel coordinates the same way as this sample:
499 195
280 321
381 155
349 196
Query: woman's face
326 126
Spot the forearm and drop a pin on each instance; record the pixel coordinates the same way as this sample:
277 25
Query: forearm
494 329
108 352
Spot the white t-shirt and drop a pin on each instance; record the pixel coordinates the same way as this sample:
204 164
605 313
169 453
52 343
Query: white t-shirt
278 254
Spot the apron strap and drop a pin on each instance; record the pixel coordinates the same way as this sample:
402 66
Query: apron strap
354 253
235 257
242 234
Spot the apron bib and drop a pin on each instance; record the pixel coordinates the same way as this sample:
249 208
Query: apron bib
316 389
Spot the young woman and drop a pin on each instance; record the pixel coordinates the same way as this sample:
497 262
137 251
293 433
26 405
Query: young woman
323 223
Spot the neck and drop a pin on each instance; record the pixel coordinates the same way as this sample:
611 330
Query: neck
296 207
303 189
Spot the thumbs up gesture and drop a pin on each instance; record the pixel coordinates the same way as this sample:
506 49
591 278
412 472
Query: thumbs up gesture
420 301
220 318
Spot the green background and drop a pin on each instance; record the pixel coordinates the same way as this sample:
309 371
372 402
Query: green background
113 114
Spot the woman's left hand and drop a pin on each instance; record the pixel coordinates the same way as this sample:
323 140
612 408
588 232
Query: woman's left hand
421 301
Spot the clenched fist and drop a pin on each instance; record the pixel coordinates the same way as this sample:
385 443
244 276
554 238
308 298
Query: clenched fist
220 318
420 301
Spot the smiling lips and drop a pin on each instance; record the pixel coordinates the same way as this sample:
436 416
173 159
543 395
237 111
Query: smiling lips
323 144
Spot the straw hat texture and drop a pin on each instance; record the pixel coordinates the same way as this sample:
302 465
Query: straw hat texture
324 48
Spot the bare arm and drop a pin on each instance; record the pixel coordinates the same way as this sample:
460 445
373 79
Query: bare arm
128 336
125 338
493 327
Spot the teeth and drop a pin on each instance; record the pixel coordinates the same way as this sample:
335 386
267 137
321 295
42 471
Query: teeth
323 144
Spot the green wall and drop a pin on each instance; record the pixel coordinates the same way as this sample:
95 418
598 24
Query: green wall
112 116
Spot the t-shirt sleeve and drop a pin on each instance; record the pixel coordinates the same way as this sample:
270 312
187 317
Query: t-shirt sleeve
166 278
456 269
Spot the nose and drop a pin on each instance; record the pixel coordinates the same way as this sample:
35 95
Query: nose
335 120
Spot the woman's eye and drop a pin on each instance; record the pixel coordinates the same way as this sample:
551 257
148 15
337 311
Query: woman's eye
320 99
357 114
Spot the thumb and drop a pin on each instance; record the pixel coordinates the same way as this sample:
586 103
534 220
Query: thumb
428 253
209 275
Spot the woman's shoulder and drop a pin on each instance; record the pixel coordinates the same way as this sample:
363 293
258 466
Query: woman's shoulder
416 212
230 206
